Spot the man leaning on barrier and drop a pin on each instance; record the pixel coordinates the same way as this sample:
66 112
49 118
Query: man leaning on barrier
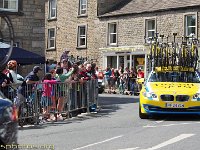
28 84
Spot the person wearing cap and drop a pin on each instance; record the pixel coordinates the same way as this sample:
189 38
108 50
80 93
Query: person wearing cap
26 88
33 77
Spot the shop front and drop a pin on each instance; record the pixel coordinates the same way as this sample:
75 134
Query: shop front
131 57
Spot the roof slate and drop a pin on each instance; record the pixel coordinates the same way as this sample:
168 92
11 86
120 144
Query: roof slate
142 6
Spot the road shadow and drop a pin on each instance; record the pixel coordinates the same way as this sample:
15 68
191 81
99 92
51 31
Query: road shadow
107 99
177 118
108 103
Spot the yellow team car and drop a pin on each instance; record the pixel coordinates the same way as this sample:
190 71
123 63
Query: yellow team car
170 93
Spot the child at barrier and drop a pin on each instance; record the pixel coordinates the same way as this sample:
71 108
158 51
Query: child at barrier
46 101
53 77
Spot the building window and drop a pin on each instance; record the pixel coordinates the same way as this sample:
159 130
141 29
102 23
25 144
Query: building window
51 38
9 5
112 33
190 25
82 7
81 36
150 28
52 9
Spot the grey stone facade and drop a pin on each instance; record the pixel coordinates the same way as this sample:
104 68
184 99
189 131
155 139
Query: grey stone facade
29 28
66 25
131 28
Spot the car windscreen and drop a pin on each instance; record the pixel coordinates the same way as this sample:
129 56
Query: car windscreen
188 77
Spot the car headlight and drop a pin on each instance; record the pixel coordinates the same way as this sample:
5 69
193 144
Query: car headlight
103 83
196 97
150 95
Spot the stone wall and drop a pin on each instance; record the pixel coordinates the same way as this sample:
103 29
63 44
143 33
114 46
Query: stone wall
67 24
131 29
29 28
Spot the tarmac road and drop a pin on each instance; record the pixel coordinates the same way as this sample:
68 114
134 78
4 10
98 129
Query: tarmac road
116 127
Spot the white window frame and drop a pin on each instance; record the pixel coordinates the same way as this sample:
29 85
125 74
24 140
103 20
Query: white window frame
53 38
186 25
52 8
149 30
110 33
82 7
9 5
79 37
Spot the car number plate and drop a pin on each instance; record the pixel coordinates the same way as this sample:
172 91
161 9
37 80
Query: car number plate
172 105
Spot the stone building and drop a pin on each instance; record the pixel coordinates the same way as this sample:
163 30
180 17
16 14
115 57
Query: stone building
123 28
28 21
71 26
113 31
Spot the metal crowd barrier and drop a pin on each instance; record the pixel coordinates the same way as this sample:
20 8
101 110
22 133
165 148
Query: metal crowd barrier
45 99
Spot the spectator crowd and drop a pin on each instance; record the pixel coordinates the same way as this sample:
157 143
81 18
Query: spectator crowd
61 72
64 72
123 80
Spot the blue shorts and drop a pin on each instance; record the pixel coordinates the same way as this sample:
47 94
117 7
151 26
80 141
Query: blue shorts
46 101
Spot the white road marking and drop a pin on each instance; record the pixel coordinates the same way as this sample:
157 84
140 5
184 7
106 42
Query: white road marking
26 126
116 137
149 126
171 141
160 121
129 148
168 125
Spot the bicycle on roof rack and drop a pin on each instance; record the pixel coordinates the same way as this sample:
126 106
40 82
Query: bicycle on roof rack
164 56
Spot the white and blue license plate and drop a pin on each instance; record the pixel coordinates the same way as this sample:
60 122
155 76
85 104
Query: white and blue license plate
174 105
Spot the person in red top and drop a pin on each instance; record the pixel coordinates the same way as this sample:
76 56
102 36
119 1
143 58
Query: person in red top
83 73
140 73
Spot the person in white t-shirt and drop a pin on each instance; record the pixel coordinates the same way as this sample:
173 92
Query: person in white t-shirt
14 77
